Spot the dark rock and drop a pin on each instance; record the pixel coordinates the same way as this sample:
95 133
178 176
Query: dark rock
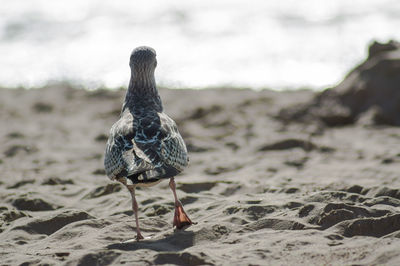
376 48
373 85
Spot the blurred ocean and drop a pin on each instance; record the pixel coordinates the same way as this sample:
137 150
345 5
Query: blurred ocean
200 43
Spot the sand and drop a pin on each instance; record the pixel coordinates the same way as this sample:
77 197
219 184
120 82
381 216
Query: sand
263 190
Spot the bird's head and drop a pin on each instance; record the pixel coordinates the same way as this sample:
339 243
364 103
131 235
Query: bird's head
142 84
143 60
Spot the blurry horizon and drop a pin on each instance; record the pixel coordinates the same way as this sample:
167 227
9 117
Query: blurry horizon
258 44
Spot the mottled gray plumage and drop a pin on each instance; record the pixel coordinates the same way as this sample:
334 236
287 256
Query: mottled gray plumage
144 145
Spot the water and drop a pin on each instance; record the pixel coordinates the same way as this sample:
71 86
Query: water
200 43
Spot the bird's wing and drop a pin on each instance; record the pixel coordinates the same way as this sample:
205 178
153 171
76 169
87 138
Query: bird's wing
160 141
145 143
173 148
122 156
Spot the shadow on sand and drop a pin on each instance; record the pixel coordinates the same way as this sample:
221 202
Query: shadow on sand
177 241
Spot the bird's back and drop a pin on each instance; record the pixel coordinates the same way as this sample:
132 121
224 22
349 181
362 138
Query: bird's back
145 147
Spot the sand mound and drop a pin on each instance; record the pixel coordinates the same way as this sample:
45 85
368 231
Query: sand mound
370 93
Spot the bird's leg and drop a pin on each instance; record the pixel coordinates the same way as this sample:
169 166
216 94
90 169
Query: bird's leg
135 211
180 218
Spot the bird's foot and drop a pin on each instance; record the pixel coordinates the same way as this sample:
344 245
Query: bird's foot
139 236
181 220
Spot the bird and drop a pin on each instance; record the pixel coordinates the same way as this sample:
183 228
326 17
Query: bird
144 146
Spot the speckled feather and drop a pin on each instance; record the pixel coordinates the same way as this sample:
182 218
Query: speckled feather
144 144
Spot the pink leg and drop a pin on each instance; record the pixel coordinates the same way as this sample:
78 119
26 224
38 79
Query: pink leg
135 211
181 219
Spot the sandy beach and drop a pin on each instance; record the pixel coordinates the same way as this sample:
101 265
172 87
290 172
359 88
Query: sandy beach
272 179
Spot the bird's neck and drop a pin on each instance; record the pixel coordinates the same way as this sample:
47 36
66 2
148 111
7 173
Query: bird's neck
142 93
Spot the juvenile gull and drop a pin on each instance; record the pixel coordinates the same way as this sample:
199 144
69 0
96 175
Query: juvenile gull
144 145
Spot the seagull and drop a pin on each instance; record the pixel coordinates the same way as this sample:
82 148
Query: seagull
144 146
